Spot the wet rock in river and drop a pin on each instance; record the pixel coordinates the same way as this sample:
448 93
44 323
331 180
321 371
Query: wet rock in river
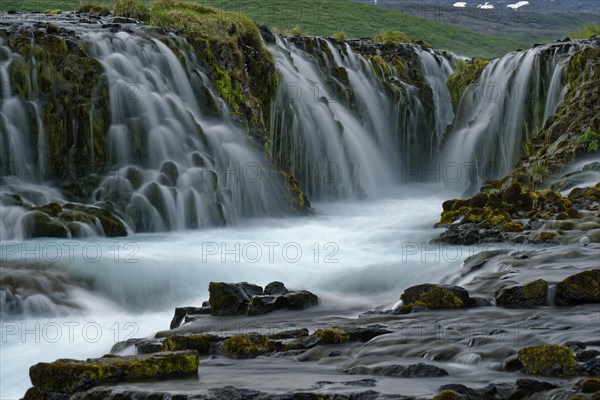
70 376
182 312
248 299
231 298
419 370
532 294
434 297
580 288
548 359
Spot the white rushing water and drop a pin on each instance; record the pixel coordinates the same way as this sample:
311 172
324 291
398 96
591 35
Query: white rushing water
502 110
348 253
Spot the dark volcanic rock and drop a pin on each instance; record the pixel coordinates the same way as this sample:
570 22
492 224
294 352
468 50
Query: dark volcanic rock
532 294
580 288
469 233
182 312
245 298
264 304
275 288
434 297
69 376
231 298
420 370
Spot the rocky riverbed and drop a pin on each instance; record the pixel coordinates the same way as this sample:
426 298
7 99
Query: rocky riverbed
512 324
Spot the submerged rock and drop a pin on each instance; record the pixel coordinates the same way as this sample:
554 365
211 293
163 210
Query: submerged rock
580 288
419 370
532 294
69 376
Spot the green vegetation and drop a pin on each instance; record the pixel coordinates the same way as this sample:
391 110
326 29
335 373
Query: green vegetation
542 360
246 346
391 38
333 335
436 297
321 17
539 171
131 9
465 73
589 140
586 32
93 7
339 36
200 343
296 31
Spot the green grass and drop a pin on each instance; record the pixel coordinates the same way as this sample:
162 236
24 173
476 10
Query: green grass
586 32
325 17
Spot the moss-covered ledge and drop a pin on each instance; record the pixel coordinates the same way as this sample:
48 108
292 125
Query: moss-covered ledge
241 68
64 376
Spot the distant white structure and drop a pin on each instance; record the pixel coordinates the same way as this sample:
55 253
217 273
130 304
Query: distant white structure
374 1
460 4
518 5
486 6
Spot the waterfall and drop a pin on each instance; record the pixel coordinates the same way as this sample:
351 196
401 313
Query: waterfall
177 160
346 131
179 166
501 111
344 122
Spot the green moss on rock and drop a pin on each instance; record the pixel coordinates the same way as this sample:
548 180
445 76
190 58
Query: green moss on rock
512 227
246 346
548 359
590 385
434 297
465 73
447 395
199 343
532 294
580 288
334 335
68 376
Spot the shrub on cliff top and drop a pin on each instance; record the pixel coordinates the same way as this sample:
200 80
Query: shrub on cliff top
391 38
131 9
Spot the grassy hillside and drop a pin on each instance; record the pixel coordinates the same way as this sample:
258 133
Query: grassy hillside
325 17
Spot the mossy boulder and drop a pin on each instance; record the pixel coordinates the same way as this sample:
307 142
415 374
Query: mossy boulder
38 224
334 335
247 346
512 227
447 395
532 294
580 288
69 376
434 297
198 343
548 359
590 385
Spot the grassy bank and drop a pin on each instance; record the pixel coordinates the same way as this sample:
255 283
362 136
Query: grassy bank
325 17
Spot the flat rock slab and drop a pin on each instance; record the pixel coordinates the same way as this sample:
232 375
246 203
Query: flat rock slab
69 376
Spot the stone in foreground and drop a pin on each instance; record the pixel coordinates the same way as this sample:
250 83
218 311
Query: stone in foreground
70 376
434 297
